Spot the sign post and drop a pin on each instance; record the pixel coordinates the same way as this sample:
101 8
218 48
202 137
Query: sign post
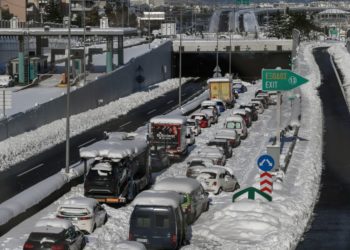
280 80
266 163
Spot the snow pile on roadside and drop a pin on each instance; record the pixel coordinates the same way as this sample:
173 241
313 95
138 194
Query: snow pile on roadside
281 223
21 147
341 58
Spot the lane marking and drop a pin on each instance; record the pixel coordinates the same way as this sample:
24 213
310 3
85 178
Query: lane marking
30 170
125 124
85 143
171 101
152 111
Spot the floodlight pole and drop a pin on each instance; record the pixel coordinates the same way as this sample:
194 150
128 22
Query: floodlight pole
84 38
68 91
180 58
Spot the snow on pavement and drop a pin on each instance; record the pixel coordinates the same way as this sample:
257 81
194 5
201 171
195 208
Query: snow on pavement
21 147
244 224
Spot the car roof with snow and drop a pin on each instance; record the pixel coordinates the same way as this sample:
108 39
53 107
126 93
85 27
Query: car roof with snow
115 148
54 225
209 112
129 245
200 114
177 184
226 134
218 79
239 111
208 103
158 198
216 170
197 158
189 120
234 118
80 202
210 152
169 119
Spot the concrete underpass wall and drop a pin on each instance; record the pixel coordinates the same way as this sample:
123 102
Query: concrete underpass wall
140 72
247 65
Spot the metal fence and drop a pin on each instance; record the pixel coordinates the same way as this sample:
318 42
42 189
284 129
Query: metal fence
140 72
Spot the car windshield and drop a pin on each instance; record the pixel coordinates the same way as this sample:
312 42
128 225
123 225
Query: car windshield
191 124
233 125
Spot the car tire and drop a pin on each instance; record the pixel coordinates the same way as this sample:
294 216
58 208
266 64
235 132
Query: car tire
83 243
105 219
219 191
237 186
94 228
206 207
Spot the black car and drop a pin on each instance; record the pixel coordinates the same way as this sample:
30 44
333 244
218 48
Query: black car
253 111
224 144
56 234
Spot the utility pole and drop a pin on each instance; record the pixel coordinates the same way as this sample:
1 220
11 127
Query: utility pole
180 58
149 25
229 70
68 90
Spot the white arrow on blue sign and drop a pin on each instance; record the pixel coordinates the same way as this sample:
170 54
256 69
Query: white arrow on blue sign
266 162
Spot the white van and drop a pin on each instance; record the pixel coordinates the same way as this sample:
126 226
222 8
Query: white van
237 123
195 199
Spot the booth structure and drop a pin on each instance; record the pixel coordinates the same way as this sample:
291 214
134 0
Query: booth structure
21 67
32 67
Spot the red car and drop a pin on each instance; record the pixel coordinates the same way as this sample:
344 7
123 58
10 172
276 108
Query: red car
245 115
203 119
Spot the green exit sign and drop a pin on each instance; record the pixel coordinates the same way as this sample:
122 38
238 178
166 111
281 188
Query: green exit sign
280 80
247 2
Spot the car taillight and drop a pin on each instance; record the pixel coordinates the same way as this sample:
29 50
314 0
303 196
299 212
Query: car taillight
28 245
57 247
214 183
131 237
173 239
84 218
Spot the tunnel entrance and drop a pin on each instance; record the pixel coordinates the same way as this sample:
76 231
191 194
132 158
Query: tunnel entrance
247 65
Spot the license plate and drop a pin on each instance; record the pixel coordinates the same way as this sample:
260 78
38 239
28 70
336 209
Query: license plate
142 240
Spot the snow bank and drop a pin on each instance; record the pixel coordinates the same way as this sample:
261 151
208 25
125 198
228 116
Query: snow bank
341 58
21 147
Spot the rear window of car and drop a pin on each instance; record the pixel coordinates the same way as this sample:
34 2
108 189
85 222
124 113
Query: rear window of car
196 163
143 221
162 220
209 175
233 125
71 212
191 123
49 237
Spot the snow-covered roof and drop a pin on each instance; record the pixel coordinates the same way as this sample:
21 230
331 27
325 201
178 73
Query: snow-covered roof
333 11
199 114
158 198
238 111
177 184
199 159
129 245
234 118
78 202
236 81
226 134
52 225
210 152
114 148
169 119
218 79
208 103
215 169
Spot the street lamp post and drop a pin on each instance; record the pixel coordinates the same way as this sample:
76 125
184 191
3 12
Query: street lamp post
180 58
149 25
84 38
68 91
229 61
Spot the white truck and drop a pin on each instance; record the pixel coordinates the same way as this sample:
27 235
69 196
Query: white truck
170 133
119 168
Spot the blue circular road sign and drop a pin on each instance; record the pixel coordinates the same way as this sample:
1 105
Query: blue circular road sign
266 162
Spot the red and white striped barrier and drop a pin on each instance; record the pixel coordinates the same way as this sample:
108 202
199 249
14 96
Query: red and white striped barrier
266 183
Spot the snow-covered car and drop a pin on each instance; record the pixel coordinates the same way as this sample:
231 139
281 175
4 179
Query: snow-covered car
55 234
220 104
230 135
6 81
258 106
217 179
237 123
86 213
211 104
245 115
222 143
203 119
239 87
212 114
193 124
195 164
195 199
217 155
252 109
129 245
262 100
190 136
